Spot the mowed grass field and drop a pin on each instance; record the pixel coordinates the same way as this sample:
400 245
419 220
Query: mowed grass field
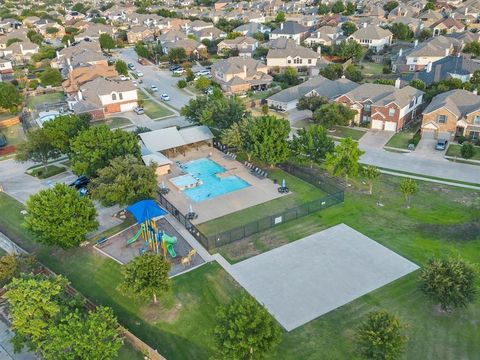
443 221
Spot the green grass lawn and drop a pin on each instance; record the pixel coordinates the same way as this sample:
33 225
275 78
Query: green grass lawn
52 170
443 221
153 109
114 122
345 131
14 134
371 69
302 192
400 140
454 150
34 101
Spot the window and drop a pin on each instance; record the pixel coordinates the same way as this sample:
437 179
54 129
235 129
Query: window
442 119
114 96
474 135
120 96
309 61
412 68
367 107
391 112
289 61
476 120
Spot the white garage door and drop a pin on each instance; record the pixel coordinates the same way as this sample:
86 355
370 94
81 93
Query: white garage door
127 107
429 134
377 124
390 126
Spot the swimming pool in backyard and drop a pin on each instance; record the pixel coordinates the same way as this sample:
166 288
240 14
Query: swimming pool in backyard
214 181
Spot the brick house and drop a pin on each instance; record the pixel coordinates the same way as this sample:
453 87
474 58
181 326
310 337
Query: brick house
452 113
384 107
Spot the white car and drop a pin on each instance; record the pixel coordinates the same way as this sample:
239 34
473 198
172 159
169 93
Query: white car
124 78
139 73
165 97
154 88
204 73
179 71
139 110
134 83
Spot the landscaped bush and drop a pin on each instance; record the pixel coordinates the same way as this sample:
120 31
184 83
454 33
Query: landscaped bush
416 138
182 84
33 84
461 139
386 69
467 150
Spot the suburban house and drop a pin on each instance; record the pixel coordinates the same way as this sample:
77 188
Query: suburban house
81 75
82 53
455 67
418 57
251 28
220 4
452 113
240 74
102 97
293 56
290 30
138 33
210 33
191 46
326 35
373 37
20 52
384 107
447 26
242 46
6 66
287 99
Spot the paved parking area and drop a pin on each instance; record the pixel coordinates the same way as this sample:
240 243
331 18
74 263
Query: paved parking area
303 280
375 138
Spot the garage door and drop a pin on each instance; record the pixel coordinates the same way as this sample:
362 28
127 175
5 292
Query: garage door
429 134
377 124
127 107
390 126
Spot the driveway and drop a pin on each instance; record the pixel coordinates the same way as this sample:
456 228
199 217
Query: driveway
375 139
426 148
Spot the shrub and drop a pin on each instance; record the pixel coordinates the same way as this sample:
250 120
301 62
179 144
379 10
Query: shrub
386 69
461 139
33 84
416 138
467 150
182 84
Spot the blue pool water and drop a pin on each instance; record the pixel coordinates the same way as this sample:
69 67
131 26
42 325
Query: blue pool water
213 186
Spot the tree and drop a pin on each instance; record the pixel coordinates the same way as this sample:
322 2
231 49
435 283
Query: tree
467 150
34 305
380 337
177 55
10 97
233 35
84 336
61 130
338 7
408 187
142 50
348 28
332 71
38 148
269 139
349 50
344 160
35 37
311 103
237 136
121 67
418 84
401 31
12 265
13 41
349 9
323 9
182 84
245 330
472 48
280 18
389 6
92 149
353 73
146 277
289 77
449 282
371 173
425 34
124 181
59 216
51 77
202 83
332 114
311 145
106 42
430 5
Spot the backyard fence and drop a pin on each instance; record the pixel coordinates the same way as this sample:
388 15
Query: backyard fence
335 195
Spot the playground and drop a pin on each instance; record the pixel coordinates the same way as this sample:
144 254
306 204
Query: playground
152 233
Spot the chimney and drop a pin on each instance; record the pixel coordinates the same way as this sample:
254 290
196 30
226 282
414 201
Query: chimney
68 61
58 55
466 10
415 43
319 50
281 26
79 95
318 34
429 66
447 52
400 52
245 70
397 83
69 43
475 91
21 48
364 25
452 15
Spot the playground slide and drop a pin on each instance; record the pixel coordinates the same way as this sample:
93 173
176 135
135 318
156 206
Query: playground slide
170 241
135 237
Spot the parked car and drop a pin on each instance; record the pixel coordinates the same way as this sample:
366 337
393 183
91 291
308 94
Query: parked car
81 182
3 140
165 97
179 71
134 82
154 88
139 73
441 144
203 73
139 111
175 67
124 78
131 66
142 61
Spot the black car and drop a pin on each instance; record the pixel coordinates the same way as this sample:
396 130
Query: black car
175 67
81 182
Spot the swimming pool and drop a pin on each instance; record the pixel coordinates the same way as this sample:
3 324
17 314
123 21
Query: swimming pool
187 181
212 185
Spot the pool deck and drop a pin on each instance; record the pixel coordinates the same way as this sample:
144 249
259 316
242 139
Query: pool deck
260 191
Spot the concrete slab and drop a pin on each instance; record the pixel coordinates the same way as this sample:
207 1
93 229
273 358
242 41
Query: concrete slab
302 280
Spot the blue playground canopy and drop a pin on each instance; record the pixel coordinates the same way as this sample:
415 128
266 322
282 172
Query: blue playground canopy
146 210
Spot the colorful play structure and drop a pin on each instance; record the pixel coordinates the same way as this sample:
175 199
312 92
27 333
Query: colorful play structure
155 240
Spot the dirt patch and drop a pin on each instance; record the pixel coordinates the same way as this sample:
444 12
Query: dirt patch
154 313
238 250
468 231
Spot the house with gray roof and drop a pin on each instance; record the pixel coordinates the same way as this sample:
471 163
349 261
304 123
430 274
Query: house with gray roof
295 56
373 37
287 99
251 28
290 30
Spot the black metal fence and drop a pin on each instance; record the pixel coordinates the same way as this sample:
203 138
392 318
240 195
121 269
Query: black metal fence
335 195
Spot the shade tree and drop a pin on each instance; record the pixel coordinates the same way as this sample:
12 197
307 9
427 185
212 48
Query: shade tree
345 159
311 145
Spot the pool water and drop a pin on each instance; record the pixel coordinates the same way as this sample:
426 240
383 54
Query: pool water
212 185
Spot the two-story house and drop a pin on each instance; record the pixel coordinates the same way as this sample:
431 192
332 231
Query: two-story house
373 37
293 56
384 107
452 113
326 35
242 46
290 30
